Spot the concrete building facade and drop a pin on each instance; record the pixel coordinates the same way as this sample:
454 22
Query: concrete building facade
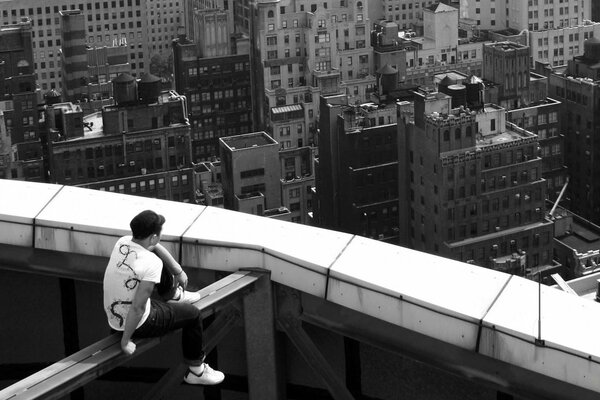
300 51
472 185
578 90
213 71
250 173
87 71
219 94
141 145
145 27
440 47
532 15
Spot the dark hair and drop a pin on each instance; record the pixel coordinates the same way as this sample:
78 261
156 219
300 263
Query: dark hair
146 223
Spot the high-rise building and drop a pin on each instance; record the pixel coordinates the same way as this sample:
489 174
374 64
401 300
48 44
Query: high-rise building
578 90
250 173
300 51
471 187
87 71
532 15
140 145
146 27
357 169
213 72
20 149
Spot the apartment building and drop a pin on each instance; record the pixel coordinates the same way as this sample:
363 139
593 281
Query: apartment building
357 169
578 90
140 145
300 51
87 72
439 48
559 45
146 27
407 14
213 71
532 15
165 18
472 184
20 148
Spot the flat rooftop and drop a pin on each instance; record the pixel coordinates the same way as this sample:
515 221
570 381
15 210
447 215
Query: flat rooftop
249 140
511 134
93 125
581 238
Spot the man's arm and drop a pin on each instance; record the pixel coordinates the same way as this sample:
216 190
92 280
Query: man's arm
171 264
136 311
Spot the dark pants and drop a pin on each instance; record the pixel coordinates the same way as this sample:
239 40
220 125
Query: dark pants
167 317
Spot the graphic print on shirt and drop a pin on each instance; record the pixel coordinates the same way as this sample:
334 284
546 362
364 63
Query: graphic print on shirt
119 315
130 283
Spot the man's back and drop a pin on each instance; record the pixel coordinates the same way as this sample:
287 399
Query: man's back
129 264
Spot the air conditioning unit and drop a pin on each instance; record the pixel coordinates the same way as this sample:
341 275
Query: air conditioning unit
131 163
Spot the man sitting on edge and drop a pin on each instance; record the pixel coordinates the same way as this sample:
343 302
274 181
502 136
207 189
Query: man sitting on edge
134 269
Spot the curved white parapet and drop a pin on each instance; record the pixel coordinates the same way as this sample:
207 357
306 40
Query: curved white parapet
20 203
476 309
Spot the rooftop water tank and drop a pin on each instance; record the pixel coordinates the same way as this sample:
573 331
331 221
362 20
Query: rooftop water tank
52 96
388 76
458 94
591 48
149 88
124 89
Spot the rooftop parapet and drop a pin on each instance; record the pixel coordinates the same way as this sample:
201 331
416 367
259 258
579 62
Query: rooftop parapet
481 323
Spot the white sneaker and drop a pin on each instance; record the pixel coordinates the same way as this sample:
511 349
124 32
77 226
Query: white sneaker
207 377
183 296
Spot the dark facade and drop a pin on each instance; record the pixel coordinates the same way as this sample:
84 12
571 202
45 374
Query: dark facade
595 11
473 186
139 146
577 88
297 182
357 170
218 90
20 148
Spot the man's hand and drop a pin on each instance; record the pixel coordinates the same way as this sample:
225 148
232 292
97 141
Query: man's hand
128 347
182 279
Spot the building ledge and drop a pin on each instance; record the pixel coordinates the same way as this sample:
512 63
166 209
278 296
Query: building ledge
484 312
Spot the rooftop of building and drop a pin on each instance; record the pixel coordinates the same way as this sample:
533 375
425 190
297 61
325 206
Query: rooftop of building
248 140
578 233
506 46
276 211
440 7
93 125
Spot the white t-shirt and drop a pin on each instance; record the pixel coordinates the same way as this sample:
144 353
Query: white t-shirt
129 264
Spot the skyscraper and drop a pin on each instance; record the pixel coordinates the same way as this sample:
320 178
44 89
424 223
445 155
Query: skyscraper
20 149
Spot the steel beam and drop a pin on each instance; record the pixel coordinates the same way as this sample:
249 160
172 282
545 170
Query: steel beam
264 379
289 311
